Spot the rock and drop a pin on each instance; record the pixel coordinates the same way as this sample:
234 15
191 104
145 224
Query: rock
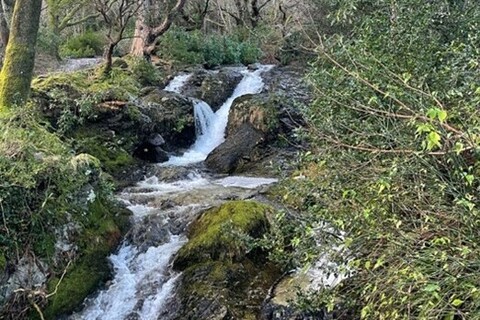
150 153
193 86
172 117
156 140
151 232
220 280
29 273
218 87
238 147
209 241
259 110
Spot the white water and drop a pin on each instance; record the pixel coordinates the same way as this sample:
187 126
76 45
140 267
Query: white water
213 134
177 83
143 280
135 271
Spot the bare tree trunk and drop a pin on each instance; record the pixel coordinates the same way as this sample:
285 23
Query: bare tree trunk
6 9
142 31
108 56
4 29
17 72
146 36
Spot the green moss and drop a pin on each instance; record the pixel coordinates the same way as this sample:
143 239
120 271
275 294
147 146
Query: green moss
3 262
45 246
113 158
77 80
215 235
240 287
102 234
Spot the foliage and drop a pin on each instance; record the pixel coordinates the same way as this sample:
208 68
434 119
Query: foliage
85 45
43 188
194 47
145 72
47 41
394 163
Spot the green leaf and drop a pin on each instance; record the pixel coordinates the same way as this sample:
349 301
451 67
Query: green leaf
457 302
442 115
433 140
432 287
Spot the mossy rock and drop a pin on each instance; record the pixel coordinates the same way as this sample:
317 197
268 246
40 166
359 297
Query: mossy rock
259 110
106 223
215 235
113 157
3 262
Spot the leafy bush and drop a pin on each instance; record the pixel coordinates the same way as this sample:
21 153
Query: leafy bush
395 161
194 48
145 72
47 41
85 45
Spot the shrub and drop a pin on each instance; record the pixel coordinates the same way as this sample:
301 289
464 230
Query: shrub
85 45
47 41
394 161
145 72
194 48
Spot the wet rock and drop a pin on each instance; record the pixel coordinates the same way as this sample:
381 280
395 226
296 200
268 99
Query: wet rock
193 86
151 232
172 117
150 153
156 140
213 87
218 87
237 148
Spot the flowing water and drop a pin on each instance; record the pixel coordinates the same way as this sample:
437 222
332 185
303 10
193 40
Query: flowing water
213 134
162 208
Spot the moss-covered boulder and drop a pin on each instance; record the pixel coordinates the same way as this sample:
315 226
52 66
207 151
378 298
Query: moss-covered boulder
221 278
259 110
171 116
214 236
105 224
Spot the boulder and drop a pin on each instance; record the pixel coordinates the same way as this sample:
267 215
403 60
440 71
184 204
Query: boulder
193 86
172 117
220 278
218 87
238 147
258 110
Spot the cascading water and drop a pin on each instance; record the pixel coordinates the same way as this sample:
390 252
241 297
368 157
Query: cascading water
214 133
204 117
143 279
178 82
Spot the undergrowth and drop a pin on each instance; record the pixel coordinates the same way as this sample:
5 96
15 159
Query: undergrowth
394 163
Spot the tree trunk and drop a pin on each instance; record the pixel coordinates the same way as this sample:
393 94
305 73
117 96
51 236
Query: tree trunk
4 29
108 56
141 33
17 72
146 36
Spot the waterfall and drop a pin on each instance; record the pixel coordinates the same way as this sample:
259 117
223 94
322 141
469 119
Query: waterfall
178 83
214 133
144 280
204 117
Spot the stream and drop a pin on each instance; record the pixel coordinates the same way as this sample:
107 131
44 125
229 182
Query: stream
143 280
